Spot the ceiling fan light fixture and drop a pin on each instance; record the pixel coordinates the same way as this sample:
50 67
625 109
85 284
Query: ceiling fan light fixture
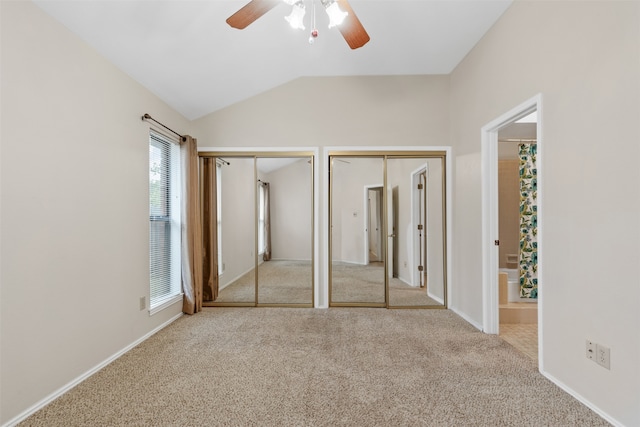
296 18
336 15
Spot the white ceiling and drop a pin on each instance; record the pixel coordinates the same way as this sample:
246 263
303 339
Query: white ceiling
185 53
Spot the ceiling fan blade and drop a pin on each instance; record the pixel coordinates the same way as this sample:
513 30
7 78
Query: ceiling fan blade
250 12
351 28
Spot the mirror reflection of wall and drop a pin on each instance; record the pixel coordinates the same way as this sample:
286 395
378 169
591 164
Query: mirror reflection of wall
236 203
412 246
355 200
265 233
285 274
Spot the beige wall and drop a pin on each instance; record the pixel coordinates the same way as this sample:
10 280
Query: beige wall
238 219
75 254
509 209
584 58
334 111
74 155
291 211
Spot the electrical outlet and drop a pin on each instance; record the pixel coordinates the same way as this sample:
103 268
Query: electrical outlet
603 355
591 350
143 303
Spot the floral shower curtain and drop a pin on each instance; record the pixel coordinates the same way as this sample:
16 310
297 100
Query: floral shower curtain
528 262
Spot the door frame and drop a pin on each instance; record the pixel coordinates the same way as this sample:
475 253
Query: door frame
415 214
324 207
490 231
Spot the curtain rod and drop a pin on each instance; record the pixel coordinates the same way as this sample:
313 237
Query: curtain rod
148 117
518 140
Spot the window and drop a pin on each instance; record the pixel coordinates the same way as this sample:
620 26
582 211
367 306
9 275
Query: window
164 222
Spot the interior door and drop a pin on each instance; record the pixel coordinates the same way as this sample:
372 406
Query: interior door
422 229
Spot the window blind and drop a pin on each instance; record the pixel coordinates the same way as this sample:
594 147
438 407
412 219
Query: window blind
164 220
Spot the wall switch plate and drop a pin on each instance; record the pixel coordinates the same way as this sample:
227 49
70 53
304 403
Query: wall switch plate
143 303
603 355
591 350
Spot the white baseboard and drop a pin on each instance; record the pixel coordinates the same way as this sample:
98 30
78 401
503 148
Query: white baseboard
436 298
466 318
582 400
44 402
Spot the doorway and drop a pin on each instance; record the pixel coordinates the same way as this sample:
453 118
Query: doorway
517 207
512 289
374 212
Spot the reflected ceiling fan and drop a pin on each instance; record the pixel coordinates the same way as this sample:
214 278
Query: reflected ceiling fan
340 13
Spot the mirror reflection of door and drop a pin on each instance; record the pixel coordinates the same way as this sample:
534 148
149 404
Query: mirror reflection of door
262 241
375 249
357 268
392 212
406 269
419 186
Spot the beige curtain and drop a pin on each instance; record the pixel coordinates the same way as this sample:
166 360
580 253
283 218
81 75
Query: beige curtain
209 197
191 230
267 222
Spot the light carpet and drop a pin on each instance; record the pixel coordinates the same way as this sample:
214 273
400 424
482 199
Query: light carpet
279 282
314 367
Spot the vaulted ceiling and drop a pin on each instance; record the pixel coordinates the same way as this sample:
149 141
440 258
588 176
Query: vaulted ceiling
185 53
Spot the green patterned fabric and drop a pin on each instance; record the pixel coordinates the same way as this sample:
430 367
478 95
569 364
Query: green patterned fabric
528 262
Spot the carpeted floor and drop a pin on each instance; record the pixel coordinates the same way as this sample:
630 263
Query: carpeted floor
313 367
279 282
365 283
290 282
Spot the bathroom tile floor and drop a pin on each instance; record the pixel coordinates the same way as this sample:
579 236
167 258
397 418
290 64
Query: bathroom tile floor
523 336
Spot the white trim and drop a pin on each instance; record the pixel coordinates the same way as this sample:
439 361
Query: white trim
260 150
449 206
489 150
580 398
162 304
160 130
320 299
62 390
464 316
323 206
449 229
435 298
416 243
238 276
316 256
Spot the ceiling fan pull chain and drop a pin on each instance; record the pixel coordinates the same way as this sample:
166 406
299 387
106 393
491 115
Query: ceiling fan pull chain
314 30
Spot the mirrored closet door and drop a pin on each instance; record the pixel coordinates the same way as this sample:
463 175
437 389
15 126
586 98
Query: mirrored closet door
357 267
387 222
258 229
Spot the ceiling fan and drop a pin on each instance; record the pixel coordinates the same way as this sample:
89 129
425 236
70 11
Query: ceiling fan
340 13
